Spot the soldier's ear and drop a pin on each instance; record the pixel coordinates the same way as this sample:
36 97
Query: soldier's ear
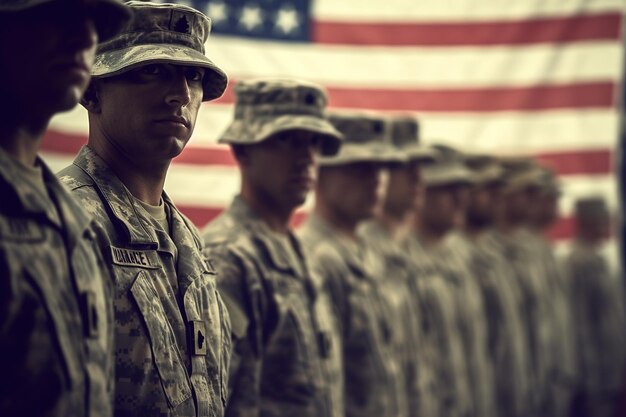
91 98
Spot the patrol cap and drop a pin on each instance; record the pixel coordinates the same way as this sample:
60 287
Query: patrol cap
161 33
366 139
109 16
485 168
265 107
448 169
405 134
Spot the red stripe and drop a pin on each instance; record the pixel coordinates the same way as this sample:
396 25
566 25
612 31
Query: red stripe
520 32
200 216
583 162
526 98
598 161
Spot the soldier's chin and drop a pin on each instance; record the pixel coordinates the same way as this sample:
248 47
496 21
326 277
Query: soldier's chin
67 99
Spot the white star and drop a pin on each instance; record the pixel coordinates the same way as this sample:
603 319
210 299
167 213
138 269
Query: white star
287 20
217 12
250 17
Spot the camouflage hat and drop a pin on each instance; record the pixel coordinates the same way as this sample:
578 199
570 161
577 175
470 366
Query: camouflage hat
110 16
161 33
405 136
448 169
485 168
265 107
550 182
520 174
367 138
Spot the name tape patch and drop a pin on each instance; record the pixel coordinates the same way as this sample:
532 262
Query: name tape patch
137 258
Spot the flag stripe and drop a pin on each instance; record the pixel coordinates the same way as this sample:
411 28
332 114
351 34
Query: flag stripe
563 29
588 162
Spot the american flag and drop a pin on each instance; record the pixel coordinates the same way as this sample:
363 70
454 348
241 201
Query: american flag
539 78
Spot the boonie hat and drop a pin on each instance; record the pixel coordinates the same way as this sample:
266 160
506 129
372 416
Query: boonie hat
161 33
367 138
265 107
109 16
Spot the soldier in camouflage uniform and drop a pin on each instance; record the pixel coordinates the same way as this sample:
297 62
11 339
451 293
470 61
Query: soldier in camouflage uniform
502 301
597 309
287 357
564 379
56 328
465 374
385 235
515 242
172 345
346 194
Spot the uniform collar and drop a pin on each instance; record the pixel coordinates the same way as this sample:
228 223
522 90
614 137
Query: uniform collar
126 211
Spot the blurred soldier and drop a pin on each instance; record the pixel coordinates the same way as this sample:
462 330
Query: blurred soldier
385 235
172 341
598 310
286 359
56 330
347 192
502 300
462 325
563 380
514 240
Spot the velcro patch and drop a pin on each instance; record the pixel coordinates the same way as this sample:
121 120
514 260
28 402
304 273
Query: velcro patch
23 230
147 259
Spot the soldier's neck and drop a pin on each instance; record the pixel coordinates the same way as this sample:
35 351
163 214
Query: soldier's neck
342 225
396 224
275 217
21 139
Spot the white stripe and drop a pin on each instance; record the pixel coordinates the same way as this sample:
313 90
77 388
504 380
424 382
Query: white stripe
408 67
545 131
455 10
205 186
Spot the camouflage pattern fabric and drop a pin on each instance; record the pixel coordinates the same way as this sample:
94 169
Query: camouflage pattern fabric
598 311
286 359
518 250
172 344
161 33
443 338
505 334
56 325
266 107
374 382
397 285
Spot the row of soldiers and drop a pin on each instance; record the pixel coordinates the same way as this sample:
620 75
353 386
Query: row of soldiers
419 285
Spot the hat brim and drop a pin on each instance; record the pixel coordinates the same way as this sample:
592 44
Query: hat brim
420 153
115 62
242 132
364 152
440 176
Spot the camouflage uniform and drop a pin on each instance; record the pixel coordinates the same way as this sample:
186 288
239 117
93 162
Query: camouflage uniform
398 289
172 344
375 384
284 332
56 333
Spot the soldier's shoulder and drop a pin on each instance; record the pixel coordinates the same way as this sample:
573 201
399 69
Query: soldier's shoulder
226 236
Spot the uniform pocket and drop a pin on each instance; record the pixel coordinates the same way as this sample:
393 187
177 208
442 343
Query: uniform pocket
162 341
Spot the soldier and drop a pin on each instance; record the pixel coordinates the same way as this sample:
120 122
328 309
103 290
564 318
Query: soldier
513 239
598 310
453 296
347 192
502 300
172 343
56 330
286 358
385 235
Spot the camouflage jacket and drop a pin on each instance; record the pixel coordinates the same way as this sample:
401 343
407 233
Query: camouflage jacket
444 341
56 331
373 379
286 360
172 346
404 314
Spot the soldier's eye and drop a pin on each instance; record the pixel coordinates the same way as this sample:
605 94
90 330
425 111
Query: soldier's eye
195 74
153 69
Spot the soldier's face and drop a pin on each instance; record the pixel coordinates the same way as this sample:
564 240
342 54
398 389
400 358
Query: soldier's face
46 57
148 114
282 169
440 210
405 190
352 191
481 206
